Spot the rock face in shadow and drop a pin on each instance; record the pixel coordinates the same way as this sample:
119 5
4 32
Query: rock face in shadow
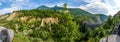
91 25
115 35
116 29
6 35
111 38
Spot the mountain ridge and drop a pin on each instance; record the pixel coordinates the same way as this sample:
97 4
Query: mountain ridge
76 12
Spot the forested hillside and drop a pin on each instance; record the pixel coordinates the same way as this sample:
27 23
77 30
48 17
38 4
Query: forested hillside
78 12
46 25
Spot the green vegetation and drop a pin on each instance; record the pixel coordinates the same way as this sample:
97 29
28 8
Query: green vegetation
27 25
38 13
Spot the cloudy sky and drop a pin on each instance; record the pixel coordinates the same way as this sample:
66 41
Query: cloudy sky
107 7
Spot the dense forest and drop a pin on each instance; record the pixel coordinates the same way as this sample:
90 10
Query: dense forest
46 25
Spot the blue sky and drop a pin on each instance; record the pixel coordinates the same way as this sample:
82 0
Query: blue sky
107 7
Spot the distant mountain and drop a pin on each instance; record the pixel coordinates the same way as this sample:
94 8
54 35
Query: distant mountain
78 12
44 7
74 11
102 17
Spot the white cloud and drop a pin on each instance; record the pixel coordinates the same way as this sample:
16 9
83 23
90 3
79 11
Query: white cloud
91 1
115 4
18 5
52 5
96 8
109 7
8 10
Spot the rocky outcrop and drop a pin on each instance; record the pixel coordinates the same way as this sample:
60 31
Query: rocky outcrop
3 16
92 26
111 38
116 29
115 35
6 35
24 18
49 21
11 16
117 14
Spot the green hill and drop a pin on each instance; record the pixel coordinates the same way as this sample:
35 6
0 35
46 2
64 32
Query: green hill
53 24
74 11
96 18
41 26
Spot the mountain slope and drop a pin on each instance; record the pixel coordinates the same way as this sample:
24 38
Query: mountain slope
74 11
45 25
97 18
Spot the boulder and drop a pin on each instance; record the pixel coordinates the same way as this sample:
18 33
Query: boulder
111 38
115 35
6 35
103 40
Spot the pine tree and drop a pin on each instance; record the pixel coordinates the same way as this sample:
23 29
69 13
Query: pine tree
64 6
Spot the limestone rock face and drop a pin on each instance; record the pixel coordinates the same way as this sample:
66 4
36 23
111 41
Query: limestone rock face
6 35
111 38
49 21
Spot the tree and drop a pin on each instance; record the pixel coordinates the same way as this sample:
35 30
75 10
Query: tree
108 23
64 6
66 30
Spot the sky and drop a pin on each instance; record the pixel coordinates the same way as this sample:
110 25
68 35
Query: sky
107 7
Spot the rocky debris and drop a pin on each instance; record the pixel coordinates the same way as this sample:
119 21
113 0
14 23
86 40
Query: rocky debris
111 38
115 35
6 35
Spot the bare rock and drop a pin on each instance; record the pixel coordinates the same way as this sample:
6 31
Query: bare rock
111 38
6 35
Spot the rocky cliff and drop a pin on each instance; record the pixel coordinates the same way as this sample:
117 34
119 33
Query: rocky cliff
115 35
